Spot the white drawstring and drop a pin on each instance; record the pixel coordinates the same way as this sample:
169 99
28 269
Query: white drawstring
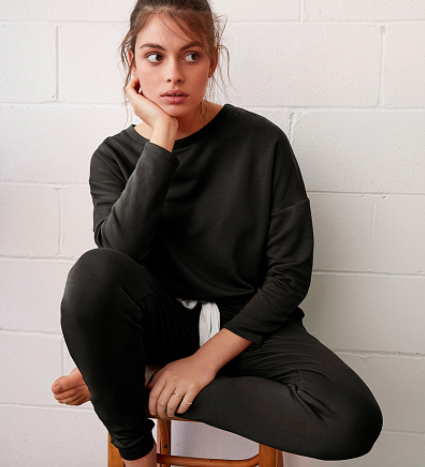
209 319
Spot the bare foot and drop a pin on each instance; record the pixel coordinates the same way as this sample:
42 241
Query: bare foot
148 461
71 389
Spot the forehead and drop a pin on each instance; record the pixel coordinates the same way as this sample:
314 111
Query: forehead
170 36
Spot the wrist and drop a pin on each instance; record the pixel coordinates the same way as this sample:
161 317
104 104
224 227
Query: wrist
220 349
164 135
202 358
166 124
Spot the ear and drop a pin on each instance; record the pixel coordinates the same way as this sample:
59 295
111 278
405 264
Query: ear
214 62
130 57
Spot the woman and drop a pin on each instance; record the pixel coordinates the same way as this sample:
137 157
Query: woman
205 252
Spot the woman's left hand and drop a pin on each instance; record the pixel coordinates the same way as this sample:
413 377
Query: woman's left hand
187 377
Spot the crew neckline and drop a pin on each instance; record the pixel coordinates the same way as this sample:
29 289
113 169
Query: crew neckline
199 135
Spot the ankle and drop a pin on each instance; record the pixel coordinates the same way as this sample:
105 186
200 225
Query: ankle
147 461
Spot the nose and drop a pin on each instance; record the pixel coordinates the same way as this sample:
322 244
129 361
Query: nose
174 73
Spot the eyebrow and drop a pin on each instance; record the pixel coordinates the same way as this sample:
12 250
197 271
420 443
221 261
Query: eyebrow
158 46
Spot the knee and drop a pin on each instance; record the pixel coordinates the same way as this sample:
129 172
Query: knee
98 269
90 280
357 425
94 265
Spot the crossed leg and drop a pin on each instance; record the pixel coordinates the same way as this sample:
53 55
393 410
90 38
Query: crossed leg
294 394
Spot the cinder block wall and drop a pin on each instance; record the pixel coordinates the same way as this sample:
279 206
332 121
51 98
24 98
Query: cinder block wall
344 79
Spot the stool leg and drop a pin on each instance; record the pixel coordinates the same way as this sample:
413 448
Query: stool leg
163 437
114 458
270 457
279 458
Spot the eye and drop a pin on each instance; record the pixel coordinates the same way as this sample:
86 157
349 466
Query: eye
194 53
152 55
156 55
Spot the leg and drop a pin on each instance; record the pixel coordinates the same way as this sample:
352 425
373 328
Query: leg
114 319
293 394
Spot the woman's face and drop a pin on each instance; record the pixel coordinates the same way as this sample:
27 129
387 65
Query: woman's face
167 65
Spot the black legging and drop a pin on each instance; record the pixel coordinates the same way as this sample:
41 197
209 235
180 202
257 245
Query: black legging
292 393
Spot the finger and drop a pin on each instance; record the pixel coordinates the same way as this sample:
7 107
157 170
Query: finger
134 78
174 402
133 83
184 406
154 377
130 88
166 398
154 396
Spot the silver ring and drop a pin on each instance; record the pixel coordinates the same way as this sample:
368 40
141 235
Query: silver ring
175 394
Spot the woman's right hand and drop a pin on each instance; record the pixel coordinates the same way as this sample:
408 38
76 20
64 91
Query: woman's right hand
144 108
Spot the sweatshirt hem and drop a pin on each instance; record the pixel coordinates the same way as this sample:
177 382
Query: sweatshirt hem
162 152
254 338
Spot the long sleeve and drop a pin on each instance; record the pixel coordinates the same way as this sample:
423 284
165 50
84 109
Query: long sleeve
126 213
289 250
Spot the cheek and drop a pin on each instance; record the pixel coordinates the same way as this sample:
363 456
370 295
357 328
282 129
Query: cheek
205 73
146 70
148 80
200 77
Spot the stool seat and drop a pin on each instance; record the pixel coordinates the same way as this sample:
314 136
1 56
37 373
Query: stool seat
266 457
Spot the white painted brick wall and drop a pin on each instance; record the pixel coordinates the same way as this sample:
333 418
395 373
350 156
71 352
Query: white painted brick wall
343 78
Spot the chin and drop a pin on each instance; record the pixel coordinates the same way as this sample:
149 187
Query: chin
175 110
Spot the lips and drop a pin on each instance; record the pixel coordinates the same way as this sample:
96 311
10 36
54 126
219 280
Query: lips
174 100
175 93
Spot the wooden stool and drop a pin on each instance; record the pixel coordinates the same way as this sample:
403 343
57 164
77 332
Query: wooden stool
266 457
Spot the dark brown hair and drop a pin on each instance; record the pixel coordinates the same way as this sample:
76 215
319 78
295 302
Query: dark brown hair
194 17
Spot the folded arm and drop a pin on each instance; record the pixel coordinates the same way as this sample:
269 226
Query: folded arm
126 214
289 251
290 259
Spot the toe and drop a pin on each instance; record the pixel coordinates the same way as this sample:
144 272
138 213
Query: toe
78 398
75 378
68 381
71 392
58 385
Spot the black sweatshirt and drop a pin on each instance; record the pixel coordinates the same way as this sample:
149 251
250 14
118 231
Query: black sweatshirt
223 218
